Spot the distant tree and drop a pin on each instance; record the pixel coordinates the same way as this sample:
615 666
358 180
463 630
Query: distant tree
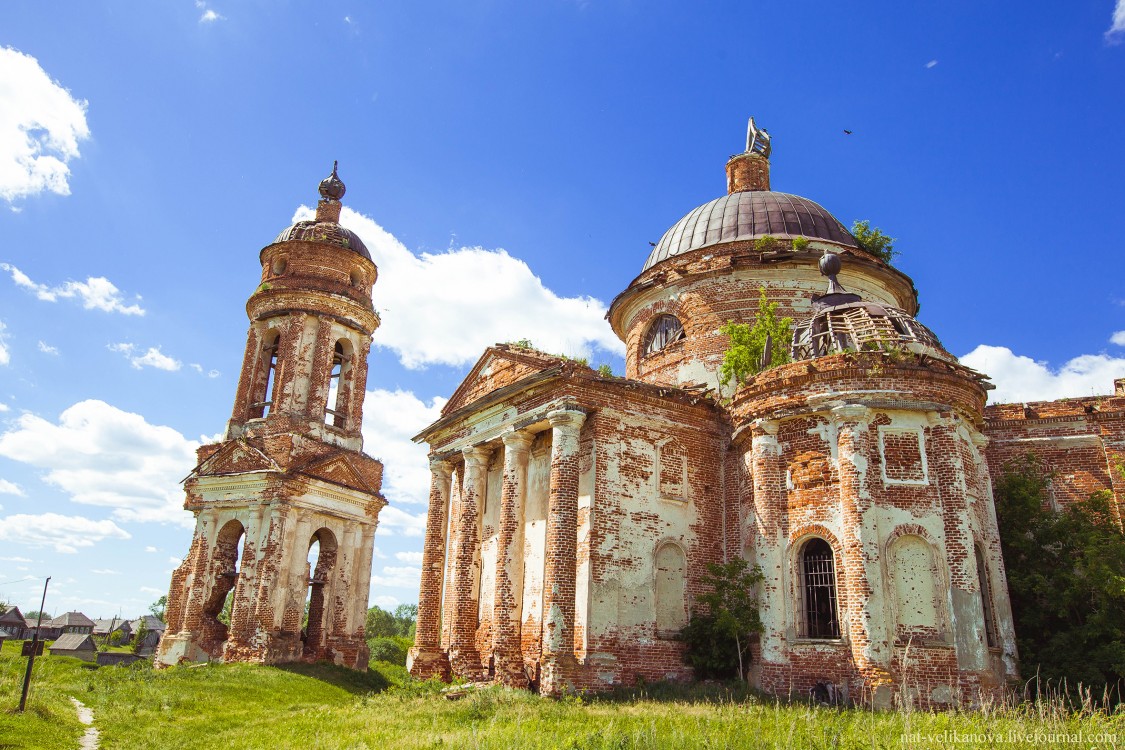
32 616
116 637
380 623
874 241
722 625
140 635
1066 579
158 607
747 343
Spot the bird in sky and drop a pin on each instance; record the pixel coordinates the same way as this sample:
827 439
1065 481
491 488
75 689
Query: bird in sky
847 132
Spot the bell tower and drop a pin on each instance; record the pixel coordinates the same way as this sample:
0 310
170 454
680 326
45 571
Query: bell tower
287 504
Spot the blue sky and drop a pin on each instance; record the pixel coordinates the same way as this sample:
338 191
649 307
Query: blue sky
508 164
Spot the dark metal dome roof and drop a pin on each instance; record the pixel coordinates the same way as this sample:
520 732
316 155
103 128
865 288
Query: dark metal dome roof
325 231
746 216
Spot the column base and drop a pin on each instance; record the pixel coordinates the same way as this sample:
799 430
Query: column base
512 673
466 665
557 675
179 648
427 665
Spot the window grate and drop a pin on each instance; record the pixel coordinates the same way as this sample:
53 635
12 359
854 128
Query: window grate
818 591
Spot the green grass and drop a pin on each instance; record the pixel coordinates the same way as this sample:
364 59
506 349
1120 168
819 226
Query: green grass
322 706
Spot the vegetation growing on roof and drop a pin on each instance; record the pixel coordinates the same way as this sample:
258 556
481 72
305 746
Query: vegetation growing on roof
874 241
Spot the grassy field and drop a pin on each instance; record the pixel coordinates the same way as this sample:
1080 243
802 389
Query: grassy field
321 706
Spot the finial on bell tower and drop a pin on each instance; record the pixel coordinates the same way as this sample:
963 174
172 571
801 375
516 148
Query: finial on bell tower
750 170
332 189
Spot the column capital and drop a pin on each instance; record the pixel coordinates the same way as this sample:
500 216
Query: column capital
566 419
476 456
766 426
441 467
517 440
850 413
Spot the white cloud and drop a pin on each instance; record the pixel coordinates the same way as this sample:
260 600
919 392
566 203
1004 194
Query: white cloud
63 533
41 125
4 407
209 373
390 419
16 559
446 308
10 488
393 521
1117 27
384 601
409 557
151 358
1019 378
1118 338
48 349
931 64
5 357
407 577
107 457
210 16
150 548
95 293
105 572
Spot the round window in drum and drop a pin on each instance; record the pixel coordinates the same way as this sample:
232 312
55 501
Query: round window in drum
665 330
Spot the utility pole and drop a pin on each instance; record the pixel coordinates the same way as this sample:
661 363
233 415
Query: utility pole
34 646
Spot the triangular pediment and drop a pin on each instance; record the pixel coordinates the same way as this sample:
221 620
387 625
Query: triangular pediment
236 457
499 366
339 468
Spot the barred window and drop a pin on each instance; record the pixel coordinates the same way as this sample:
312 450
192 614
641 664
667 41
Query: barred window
818 591
665 330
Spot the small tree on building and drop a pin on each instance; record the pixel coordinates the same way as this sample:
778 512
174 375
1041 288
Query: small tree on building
748 343
722 625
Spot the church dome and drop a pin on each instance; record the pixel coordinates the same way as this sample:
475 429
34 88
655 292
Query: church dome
325 231
326 227
843 322
748 215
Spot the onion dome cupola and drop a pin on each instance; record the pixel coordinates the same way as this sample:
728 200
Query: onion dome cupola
842 322
712 266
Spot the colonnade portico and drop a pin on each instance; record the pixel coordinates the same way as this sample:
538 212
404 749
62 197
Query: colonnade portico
460 536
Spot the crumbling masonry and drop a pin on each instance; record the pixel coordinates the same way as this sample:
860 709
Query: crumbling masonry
572 514
290 472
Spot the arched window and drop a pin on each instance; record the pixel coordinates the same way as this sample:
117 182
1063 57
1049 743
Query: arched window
339 385
986 599
818 591
665 330
671 606
321 561
261 399
218 607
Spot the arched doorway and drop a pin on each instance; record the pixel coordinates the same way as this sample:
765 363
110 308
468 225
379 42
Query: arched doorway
224 571
321 563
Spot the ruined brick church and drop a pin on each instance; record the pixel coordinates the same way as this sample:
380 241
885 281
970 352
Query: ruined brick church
572 513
